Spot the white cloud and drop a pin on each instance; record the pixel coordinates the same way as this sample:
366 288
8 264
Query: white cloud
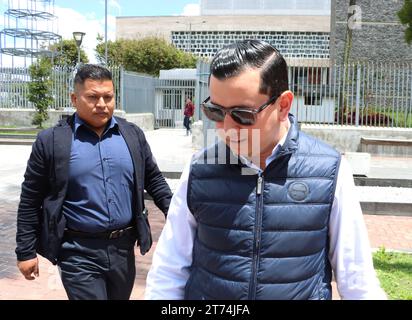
70 20
191 9
115 4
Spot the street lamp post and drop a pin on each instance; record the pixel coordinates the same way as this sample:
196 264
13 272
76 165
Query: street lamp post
78 37
105 32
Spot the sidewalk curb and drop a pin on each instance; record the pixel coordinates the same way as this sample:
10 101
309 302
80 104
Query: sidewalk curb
387 208
405 251
16 142
382 182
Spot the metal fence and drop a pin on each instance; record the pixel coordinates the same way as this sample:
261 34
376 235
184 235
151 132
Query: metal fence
170 101
203 92
14 87
138 92
165 98
358 94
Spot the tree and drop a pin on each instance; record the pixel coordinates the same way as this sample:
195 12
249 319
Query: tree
114 51
64 60
40 90
405 16
66 53
148 55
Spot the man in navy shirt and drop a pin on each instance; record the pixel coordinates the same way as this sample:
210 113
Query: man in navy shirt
82 201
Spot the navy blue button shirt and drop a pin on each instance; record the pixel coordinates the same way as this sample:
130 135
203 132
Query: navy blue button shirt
100 190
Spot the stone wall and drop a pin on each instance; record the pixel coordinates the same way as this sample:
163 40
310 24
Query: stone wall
381 37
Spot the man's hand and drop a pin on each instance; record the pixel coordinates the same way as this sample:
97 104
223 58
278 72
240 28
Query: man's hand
29 267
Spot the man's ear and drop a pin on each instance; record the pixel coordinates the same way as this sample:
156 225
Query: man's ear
73 98
285 104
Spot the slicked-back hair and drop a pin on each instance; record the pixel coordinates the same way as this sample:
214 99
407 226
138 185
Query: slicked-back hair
93 72
232 60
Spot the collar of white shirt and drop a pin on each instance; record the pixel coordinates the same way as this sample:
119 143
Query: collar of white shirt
247 162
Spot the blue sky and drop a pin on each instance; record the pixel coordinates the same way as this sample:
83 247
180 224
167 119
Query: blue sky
88 15
129 7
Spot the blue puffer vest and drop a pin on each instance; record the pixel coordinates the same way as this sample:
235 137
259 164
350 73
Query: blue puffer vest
264 236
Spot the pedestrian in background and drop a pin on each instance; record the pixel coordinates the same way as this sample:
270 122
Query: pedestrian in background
188 113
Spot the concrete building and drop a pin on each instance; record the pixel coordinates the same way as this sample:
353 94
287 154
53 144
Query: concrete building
299 29
265 7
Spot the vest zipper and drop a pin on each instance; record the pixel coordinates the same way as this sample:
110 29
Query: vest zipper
257 237
259 186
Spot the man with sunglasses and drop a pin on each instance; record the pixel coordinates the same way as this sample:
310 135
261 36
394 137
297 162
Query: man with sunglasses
276 230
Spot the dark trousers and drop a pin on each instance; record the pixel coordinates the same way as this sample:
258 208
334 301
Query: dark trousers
98 269
186 123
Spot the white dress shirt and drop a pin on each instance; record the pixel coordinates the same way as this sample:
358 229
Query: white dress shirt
349 253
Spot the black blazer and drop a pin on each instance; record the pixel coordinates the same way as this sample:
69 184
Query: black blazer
40 222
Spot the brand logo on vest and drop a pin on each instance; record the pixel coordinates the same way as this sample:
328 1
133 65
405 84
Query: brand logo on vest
298 191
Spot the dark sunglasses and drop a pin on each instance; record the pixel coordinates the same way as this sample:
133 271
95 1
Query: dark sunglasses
243 116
